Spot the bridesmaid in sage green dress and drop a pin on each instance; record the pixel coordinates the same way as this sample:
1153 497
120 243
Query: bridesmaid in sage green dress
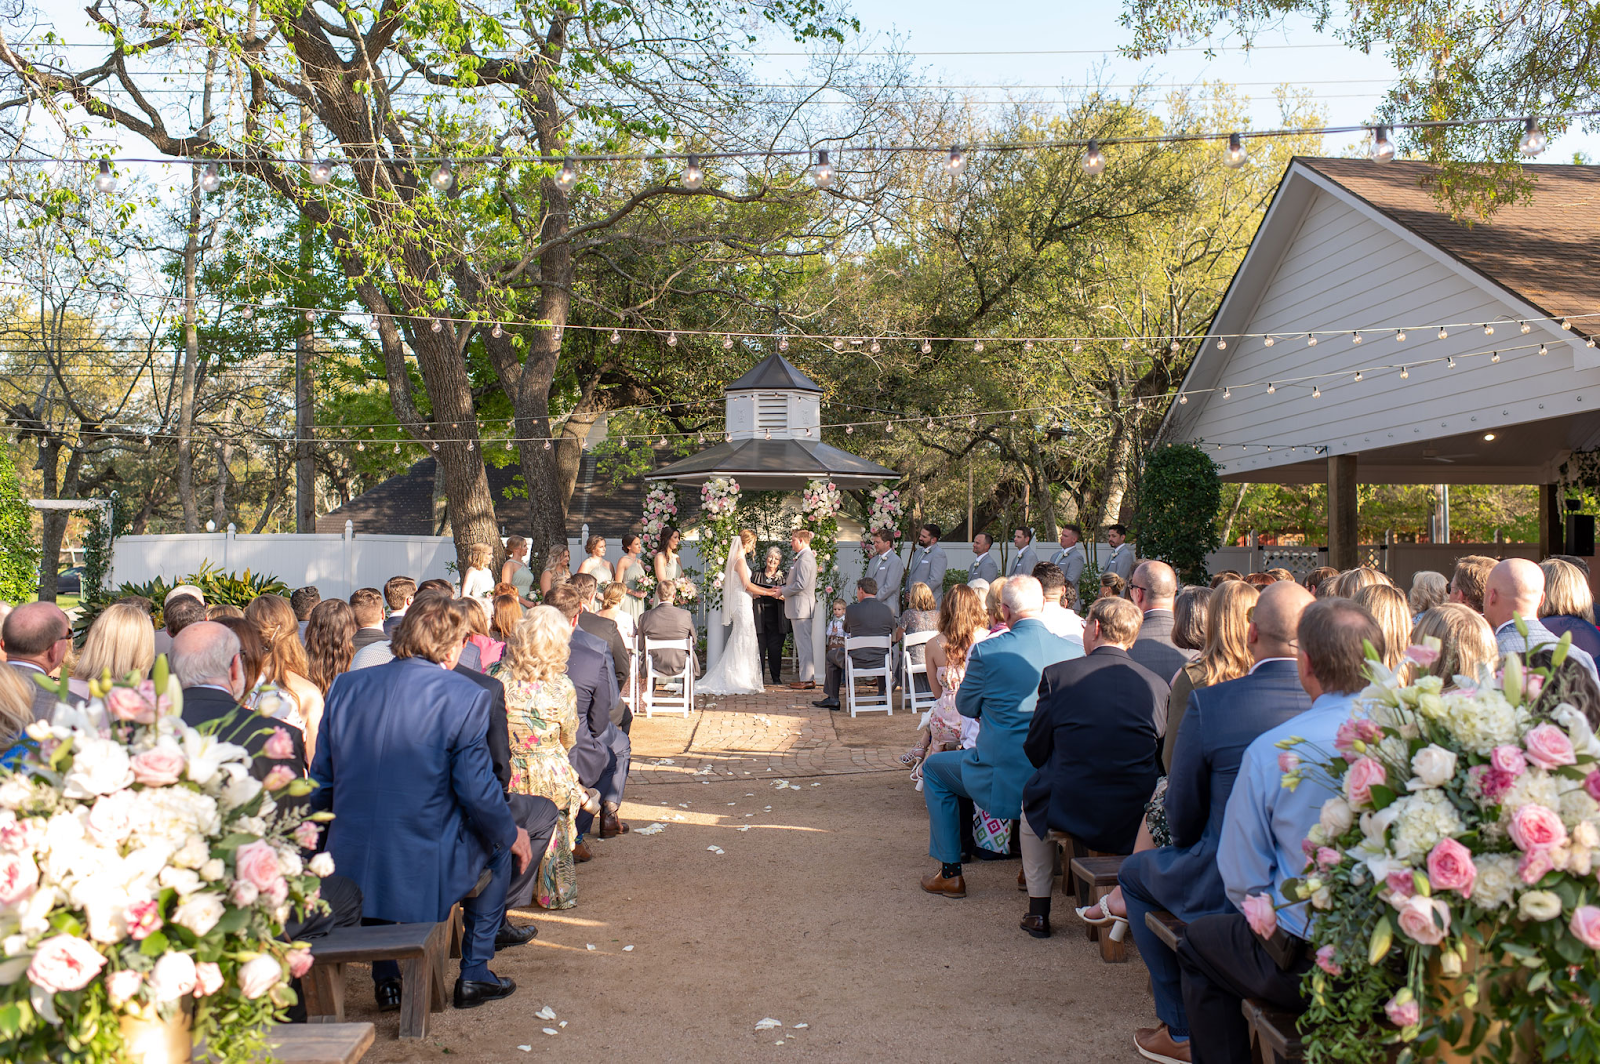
667 566
516 572
630 569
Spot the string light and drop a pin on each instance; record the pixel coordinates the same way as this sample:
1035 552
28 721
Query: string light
1526 328
1316 393
1268 342
1405 373
105 180
320 171
1400 337
443 177
1235 156
1533 139
927 347
436 326
1272 389
495 332
210 179
1450 363
1495 357
1359 376
616 337
672 339
955 163
311 315
1566 325
1183 400
727 342
977 345
838 344
1382 146
876 347
567 176
1311 341
1444 334
1222 345
693 176
1227 393
1356 338
246 312
823 174
1094 160
1027 345
783 343
1543 350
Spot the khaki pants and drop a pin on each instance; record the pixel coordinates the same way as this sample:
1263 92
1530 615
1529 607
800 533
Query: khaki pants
1038 860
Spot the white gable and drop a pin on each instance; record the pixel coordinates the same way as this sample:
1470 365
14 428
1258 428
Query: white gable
1325 259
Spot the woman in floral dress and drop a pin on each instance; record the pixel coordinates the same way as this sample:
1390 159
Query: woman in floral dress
542 711
962 623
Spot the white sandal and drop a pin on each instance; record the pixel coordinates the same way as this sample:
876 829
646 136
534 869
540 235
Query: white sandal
1106 917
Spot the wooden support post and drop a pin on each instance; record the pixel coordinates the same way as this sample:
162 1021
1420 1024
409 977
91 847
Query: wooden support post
1552 535
1342 528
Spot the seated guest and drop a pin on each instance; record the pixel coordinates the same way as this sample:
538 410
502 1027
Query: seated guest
258 697
998 689
1191 613
179 613
1280 574
1568 605
865 618
1512 593
1220 722
607 632
1258 580
163 637
37 637
285 666
614 608
1153 588
366 603
219 611
1470 579
1428 589
1466 643
404 765
1319 576
1390 608
1347 583
120 641
1112 586
1221 959
666 621
506 616
303 600
207 662
488 647
16 707
602 753
1093 739
330 642
920 615
398 591
1057 615
991 600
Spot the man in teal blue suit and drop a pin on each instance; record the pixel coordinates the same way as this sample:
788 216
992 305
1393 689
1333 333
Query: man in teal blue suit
999 689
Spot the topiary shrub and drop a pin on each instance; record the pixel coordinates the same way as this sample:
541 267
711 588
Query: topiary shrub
19 551
1179 494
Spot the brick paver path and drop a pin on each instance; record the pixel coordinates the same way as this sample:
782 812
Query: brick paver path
775 734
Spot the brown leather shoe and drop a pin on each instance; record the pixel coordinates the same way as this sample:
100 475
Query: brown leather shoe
950 888
803 685
1035 925
582 853
611 826
1022 880
1155 1043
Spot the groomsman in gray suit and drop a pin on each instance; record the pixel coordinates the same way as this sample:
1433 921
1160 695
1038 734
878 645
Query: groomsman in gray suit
984 566
799 603
886 569
928 562
1121 559
1071 558
1027 557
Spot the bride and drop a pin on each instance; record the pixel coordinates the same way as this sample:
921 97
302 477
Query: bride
738 670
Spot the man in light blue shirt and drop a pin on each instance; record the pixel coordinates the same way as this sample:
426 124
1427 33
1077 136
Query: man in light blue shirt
1222 960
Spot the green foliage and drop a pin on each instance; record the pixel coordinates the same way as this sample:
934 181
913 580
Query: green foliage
19 552
219 588
99 536
1176 522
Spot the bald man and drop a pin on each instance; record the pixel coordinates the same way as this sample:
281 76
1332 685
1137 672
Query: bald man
37 636
1513 591
1153 588
1217 726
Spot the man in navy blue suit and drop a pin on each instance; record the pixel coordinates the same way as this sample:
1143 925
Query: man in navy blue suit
403 762
602 752
1219 723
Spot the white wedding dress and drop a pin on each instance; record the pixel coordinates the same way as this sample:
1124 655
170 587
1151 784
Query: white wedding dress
738 670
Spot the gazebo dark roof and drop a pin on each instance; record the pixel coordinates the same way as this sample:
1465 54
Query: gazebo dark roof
774 373
768 464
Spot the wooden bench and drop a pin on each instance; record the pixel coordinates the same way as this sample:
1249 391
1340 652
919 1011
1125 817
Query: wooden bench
1274 1034
1095 878
420 949
322 1043
1166 927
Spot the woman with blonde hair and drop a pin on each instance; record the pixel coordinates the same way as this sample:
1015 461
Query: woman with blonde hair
285 664
1347 583
557 569
1389 607
613 607
962 625
1428 589
477 583
594 562
330 641
1191 618
120 641
920 615
992 605
515 571
1226 655
1568 605
542 714
16 706
1466 643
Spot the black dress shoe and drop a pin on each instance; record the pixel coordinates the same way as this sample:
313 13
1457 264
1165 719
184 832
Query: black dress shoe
511 934
471 994
387 993
827 703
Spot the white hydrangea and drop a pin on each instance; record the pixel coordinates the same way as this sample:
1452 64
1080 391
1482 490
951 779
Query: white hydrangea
1534 785
1479 720
1497 880
1423 819
172 814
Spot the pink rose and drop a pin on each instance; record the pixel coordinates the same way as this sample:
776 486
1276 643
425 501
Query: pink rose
144 918
19 877
1450 867
1260 914
279 778
1328 857
1288 762
1585 925
1364 774
1425 920
125 703
1326 963
300 962
1533 827
19 835
158 767
1532 684
280 747
1591 784
1351 731
1401 885
1424 656
257 864
1494 784
1534 866
120 986
1509 759
1403 1013
64 963
1549 747
207 979
305 836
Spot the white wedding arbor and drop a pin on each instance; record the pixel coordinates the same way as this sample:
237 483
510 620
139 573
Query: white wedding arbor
772 441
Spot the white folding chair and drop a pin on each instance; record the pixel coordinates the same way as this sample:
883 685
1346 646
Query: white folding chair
913 700
668 701
872 701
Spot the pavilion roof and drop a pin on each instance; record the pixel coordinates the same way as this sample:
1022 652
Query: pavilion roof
763 464
774 373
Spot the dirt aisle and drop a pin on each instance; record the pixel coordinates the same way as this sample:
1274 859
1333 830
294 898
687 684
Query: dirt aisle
811 915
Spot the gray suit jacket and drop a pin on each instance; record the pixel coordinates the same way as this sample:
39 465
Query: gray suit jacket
887 570
800 592
666 622
984 567
1121 561
1023 563
44 703
1155 650
1510 641
1072 561
869 617
928 567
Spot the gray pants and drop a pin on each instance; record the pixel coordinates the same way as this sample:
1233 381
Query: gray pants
805 667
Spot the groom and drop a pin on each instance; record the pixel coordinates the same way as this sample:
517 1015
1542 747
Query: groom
799 602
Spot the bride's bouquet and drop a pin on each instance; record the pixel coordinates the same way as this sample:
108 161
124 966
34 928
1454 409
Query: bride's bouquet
1453 876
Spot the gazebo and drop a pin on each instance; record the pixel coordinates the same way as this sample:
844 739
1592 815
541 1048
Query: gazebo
773 441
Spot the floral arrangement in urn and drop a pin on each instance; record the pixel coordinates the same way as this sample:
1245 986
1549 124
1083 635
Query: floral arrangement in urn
1453 874
145 878
819 512
660 510
886 513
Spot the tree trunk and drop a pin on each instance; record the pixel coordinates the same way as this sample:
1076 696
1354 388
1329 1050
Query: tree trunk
1233 515
219 491
1116 475
305 466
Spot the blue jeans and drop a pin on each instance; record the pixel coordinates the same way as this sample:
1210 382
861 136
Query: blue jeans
1166 983
943 789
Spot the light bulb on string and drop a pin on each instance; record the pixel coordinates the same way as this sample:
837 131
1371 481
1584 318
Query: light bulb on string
397 448
978 346
1183 400
823 174
1268 342
436 326
1227 393
495 332
769 434
672 339
727 342
443 177
1526 328
1589 342
1222 345
320 171
889 427
567 176
1316 392
1488 330
1127 344
1533 139
783 343
105 180
927 347
1235 156
1543 350
838 344
116 301
1566 325
1495 357
930 424
1382 146
662 442
1077 347
1272 389
876 347
1027 345
849 430
210 179
955 162
1405 373
471 446
1356 338
1444 333
1359 376
1450 363
616 336
1311 341
1094 160
311 315
693 176
547 445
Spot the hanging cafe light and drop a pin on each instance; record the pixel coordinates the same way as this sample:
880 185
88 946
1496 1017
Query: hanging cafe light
823 174
1235 156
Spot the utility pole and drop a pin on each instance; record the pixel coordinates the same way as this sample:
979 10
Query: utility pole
305 470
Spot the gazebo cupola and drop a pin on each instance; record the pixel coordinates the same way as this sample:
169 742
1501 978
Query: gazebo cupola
774 401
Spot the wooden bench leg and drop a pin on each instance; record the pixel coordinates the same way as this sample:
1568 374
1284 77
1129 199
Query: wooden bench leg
323 987
434 952
416 995
455 930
